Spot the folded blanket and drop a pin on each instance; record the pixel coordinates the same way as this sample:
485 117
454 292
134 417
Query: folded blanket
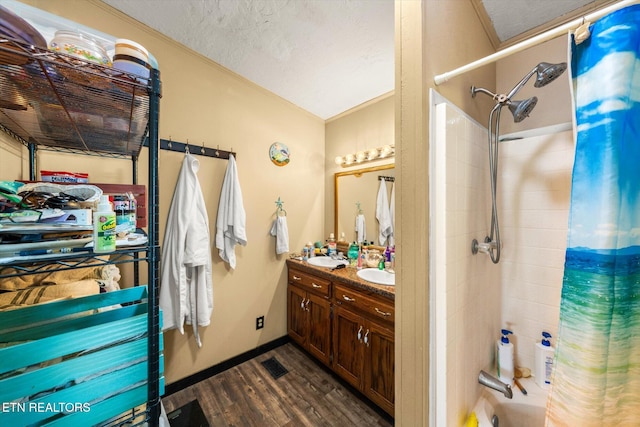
50 276
41 294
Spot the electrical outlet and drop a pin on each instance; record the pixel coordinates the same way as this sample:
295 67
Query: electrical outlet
259 322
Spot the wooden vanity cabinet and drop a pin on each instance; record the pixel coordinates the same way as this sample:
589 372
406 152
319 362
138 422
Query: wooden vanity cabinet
364 343
309 313
350 330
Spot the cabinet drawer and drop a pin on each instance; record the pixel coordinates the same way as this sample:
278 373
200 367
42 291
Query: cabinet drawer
374 307
309 282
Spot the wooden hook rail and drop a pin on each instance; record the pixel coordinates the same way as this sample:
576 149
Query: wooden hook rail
200 150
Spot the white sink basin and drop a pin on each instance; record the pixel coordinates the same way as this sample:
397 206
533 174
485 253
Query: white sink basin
381 277
322 261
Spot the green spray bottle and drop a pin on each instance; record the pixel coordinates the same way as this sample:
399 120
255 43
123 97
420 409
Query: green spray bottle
104 227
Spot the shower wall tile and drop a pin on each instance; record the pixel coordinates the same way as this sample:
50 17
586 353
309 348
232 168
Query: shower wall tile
535 174
472 296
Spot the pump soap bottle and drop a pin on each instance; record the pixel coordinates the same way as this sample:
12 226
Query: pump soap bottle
506 368
104 227
544 361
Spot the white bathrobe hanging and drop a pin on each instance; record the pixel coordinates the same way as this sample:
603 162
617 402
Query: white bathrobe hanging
186 288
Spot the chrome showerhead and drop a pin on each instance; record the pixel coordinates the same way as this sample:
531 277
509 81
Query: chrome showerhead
548 72
522 109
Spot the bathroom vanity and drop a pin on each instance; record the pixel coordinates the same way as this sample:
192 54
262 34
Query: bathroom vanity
347 324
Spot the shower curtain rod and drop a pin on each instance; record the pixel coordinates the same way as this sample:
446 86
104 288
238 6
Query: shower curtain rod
540 38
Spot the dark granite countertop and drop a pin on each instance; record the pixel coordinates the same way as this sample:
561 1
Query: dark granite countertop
346 275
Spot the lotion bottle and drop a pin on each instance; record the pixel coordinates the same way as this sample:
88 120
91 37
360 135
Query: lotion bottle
506 368
104 227
544 361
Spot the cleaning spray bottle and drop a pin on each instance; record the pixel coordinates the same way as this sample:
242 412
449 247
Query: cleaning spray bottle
104 227
506 368
544 361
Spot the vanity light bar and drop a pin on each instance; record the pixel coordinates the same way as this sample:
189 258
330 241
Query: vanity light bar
364 156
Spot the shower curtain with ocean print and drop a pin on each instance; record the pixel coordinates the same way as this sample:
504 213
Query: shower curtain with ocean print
596 378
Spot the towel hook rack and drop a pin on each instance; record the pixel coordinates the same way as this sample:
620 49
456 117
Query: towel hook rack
184 147
359 208
280 209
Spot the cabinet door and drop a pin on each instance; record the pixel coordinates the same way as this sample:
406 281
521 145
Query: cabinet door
348 349
319 339
297 315
379 370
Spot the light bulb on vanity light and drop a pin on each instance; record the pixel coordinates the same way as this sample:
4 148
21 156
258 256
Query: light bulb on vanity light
385 151
339 160
349 159
360 156
372 154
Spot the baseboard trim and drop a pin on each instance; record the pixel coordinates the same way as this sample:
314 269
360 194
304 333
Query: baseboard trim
223 366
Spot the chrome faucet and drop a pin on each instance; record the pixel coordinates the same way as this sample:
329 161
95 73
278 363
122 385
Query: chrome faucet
494 383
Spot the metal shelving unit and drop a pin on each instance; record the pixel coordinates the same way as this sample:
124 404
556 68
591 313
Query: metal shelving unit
52 101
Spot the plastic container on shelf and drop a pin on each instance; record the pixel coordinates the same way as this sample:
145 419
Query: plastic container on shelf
131 57
79 45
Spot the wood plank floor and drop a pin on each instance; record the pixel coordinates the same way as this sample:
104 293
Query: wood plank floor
247 395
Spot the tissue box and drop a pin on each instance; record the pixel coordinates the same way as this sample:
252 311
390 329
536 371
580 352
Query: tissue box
82 216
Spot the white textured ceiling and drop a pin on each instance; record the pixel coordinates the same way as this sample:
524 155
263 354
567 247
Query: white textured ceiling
513 17
325 56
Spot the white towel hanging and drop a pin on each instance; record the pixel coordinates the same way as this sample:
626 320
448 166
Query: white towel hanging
382 214
231 221
361 228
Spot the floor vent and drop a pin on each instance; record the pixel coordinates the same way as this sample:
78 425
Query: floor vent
274 368
189 415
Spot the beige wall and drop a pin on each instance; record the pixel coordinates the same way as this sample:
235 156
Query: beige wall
554 99
203 102
370 125
432 37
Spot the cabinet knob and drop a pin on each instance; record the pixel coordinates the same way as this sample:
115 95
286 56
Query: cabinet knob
381 313
360 334
302 304
296 277
306 304
346 298
316 286
366 338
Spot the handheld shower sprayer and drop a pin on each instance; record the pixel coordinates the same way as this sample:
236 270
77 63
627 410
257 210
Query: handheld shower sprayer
545 73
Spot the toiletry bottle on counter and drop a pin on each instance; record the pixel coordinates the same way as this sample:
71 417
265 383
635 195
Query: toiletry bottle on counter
506 368
544 361
352 254
332 247
104 227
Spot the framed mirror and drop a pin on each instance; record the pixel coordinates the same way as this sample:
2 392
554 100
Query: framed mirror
356 192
